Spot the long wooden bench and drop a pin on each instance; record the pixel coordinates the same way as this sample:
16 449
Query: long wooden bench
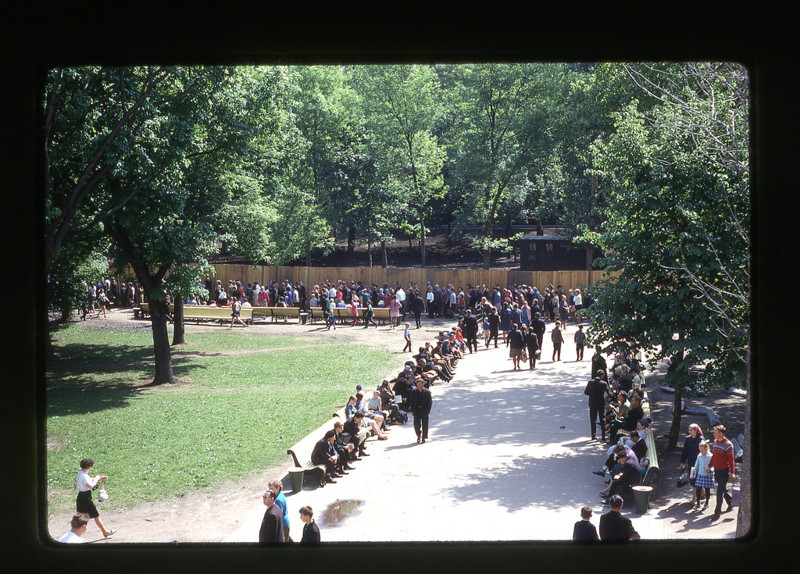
652 472
199 313
277 312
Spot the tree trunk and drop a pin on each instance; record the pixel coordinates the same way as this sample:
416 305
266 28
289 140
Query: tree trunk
351 243
675 429
163 356
308 258
487 252
178 327
152 286
421 237
385 255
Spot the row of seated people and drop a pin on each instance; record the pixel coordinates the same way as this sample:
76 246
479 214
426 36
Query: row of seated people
623 396
389 404
626 462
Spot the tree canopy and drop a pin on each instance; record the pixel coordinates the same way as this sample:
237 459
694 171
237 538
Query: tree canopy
162 167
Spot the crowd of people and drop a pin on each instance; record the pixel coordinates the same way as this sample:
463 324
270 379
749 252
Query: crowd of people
514 303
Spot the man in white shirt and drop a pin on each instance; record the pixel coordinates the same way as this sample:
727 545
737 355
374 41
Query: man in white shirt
401 298
77 529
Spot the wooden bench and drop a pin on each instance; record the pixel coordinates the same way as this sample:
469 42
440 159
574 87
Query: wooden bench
276 312
199 313
381 314
141 311
301 455
652 472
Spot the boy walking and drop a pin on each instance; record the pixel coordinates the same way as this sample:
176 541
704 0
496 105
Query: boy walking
407 336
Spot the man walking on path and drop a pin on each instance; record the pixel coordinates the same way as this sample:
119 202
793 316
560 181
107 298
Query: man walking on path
558 339
613 526
420 405
539 328
516 342
724 464
471 331
494 326
580 339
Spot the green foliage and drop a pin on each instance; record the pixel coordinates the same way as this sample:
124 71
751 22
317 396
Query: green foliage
676 208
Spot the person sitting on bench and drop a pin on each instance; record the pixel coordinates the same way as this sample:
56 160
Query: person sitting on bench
625 479
355 428
345 449
324 453
378 417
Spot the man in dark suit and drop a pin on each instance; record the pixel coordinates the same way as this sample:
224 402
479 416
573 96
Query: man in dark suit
471 331
358 434
584 530
272 524
344 449
613 526
325 453
539 328
421 402
628 476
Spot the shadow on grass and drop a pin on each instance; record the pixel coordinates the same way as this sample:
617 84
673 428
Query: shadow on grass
90 378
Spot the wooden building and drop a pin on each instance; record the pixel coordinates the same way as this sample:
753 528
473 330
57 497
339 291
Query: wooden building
553 252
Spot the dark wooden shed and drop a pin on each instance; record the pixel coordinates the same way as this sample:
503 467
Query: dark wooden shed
553 253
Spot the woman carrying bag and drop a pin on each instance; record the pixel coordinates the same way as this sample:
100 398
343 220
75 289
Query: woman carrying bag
86 484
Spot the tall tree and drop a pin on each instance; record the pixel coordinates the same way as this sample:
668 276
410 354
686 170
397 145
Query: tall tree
500 126
402 104
130 150
675 184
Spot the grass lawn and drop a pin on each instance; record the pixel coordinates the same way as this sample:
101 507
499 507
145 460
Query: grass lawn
236 413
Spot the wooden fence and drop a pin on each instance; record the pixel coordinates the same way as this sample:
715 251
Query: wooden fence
458 277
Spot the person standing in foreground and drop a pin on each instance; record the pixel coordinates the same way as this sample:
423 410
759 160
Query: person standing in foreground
272 524
420 407
596 390
613 526
310 529
77 529
584 530
532 342
471 331
724 465
689 454
280 500
84 504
